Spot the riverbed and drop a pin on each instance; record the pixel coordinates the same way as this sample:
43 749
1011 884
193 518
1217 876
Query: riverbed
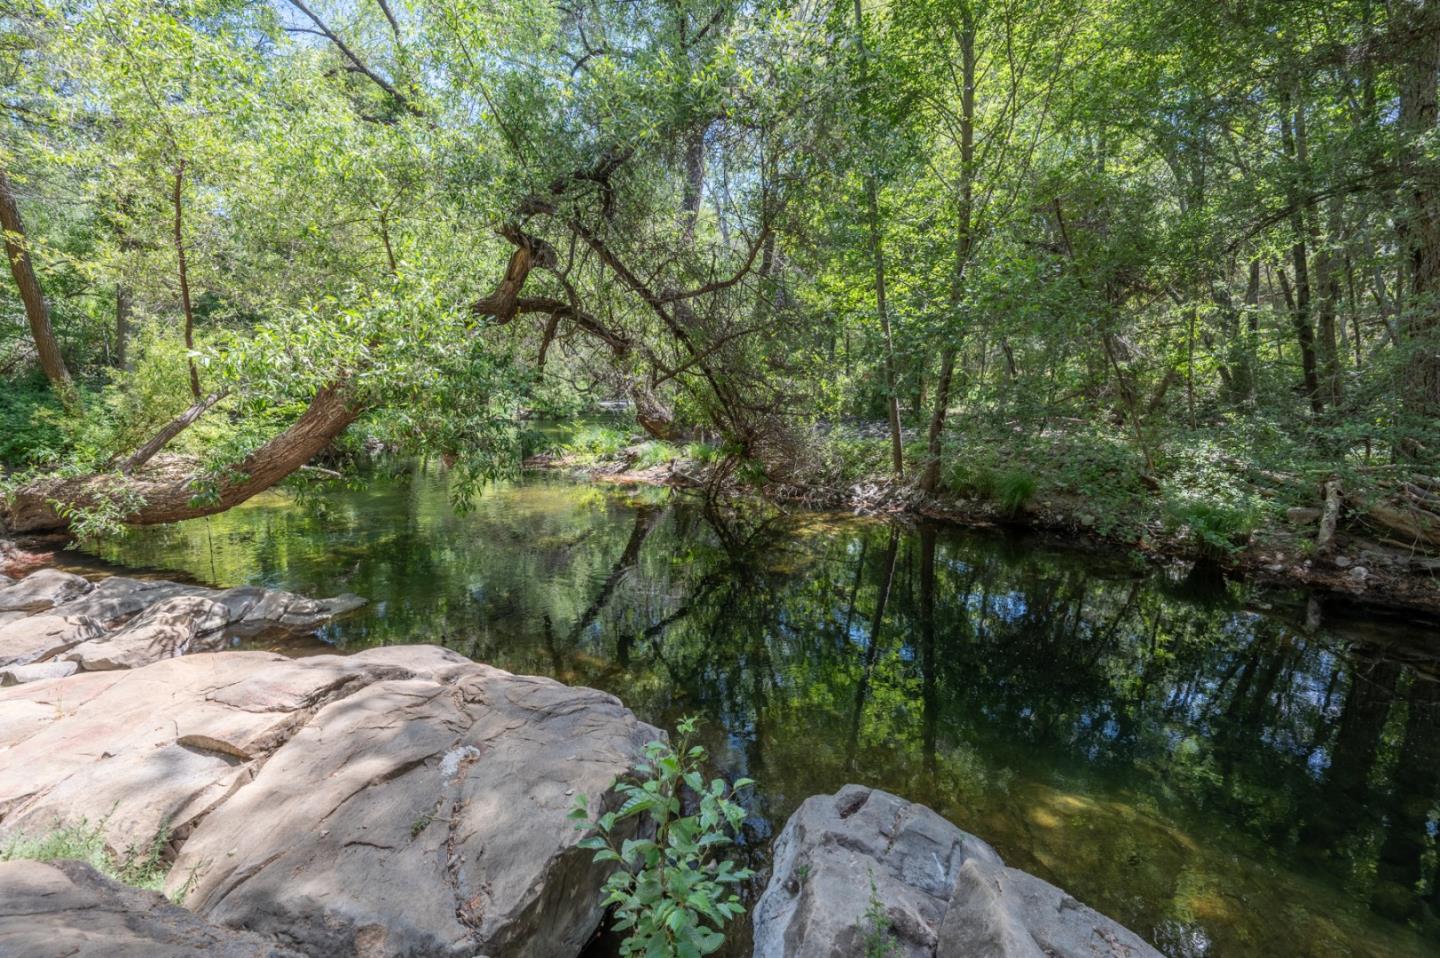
1226 771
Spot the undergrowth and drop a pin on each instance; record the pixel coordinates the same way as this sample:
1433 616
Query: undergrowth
140 866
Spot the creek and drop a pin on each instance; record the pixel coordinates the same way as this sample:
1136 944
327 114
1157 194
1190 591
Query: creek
1199 760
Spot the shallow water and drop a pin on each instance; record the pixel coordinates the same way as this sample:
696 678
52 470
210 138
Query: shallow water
1189 758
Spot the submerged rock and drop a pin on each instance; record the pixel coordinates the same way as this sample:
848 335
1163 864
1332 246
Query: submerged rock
68 908
400 801
864 869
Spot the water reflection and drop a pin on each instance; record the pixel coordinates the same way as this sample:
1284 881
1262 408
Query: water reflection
1218 776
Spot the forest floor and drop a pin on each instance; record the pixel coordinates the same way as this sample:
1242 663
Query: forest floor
1281 548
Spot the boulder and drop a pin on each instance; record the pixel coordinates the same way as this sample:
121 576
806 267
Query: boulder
399 801
422 817
863 869
171 627
40 590
119 598
149 750
68 908
37 638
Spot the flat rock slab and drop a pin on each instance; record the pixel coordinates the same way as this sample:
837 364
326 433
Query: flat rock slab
400 801
37 638
943 892
50 909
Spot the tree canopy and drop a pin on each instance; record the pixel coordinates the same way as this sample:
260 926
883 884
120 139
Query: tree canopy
1103 235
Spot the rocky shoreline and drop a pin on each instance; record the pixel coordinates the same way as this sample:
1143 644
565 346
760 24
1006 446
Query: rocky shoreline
400 801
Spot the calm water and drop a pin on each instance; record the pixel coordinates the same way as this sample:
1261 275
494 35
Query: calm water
1186 757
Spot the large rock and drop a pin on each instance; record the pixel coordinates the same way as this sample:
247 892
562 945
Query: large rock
153 749
169 628
67 908
155 619
422 818
943 892
254 608
38 638
42 590
400 801
119 598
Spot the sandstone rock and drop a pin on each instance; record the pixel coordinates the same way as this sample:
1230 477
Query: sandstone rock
34 672
400 801
943 891
41 590
154 748
68 908
119 598
423 818
37 638
171 627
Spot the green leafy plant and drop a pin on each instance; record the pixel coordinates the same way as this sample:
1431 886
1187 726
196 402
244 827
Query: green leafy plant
139 866
672 893
878 942
1013 490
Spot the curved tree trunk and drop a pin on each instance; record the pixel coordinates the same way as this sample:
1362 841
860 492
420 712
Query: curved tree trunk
36 311
41 506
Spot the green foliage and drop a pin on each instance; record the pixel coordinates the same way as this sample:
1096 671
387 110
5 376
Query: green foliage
142 866
878 941
597 441
32 423
1013 490
655 453
672 894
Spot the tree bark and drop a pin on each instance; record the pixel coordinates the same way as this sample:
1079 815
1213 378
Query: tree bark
964 240
122 325
36 310
1416 34
171 429
38 507
185 284
877 254
1300 258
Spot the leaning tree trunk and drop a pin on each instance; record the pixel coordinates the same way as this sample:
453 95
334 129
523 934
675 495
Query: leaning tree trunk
36 310
45 506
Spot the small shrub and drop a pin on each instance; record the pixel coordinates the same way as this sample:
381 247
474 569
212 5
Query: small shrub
142 867
1013 490
878 943
655 453
598 441
1219 530
672 895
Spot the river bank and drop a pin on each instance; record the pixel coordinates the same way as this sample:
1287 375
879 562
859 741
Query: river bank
1342 565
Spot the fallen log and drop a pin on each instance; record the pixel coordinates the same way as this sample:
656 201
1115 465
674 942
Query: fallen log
48 505
1418 525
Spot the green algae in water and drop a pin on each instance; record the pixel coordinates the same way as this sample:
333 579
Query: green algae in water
1199 767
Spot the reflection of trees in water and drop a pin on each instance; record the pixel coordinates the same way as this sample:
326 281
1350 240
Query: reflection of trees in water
877 655
995 681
